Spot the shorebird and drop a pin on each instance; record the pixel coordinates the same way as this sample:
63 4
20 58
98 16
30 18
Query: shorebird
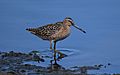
55 32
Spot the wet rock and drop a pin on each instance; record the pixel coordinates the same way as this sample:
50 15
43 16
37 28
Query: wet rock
109 64
23 71
12 73
37 58
34 74
4 62
11 63
99 65
9 73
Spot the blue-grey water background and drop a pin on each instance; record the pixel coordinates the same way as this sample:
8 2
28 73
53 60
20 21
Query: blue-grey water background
100 19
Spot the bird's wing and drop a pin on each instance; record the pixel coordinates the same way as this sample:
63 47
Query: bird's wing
49 29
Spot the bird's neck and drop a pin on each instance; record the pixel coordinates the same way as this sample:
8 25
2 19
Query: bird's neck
66 23
66 27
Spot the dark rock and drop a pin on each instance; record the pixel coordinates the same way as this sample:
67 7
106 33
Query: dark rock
109 64
23 71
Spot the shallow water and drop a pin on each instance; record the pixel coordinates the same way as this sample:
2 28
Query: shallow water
76 58
100 19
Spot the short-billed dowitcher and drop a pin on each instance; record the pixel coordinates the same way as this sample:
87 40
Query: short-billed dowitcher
54 32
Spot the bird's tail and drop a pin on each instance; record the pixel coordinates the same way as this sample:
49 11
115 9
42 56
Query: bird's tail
31 29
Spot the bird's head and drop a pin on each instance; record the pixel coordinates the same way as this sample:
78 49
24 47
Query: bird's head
69 21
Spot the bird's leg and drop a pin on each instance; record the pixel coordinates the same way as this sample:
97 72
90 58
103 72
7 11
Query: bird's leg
50 44
54 45
55 51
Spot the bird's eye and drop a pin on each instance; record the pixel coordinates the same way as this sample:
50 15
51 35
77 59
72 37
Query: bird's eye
71 22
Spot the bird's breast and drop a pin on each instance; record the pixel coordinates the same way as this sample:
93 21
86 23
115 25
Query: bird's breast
61 34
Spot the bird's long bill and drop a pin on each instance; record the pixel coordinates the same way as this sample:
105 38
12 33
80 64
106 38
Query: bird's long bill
79 28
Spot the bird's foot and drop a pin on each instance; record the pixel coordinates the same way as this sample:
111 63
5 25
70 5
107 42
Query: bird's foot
51 49
56 51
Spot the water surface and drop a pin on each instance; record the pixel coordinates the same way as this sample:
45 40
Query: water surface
100 19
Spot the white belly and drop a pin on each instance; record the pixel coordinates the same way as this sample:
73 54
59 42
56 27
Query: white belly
62 35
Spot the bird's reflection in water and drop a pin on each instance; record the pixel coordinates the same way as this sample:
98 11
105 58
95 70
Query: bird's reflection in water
54 66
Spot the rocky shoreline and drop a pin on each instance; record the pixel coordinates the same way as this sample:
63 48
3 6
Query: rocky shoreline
12 63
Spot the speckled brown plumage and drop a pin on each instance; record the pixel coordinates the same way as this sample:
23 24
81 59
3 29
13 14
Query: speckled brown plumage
45 32
54 32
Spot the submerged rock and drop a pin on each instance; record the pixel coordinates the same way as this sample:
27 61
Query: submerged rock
12 63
